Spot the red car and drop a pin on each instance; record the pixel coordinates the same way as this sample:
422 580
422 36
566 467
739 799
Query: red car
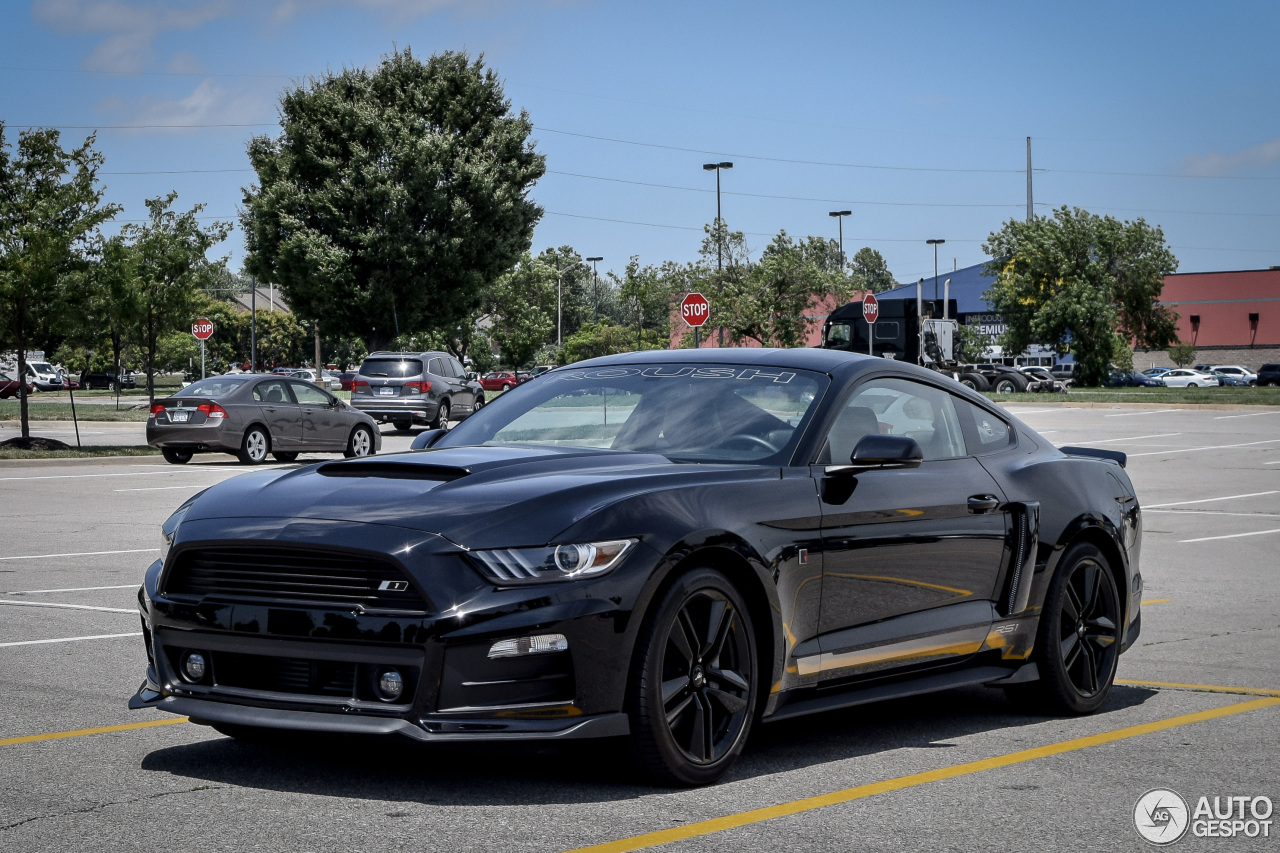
500 380
9 387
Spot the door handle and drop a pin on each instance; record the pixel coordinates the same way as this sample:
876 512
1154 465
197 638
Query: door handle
983 503
270 409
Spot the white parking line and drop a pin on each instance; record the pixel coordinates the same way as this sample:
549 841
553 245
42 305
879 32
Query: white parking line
1151 412
1211 500
160 488
1250 415
1215 512
1137 437
1021 412
80 554
69 639
172 469
73 589
66 606
1207 447
1229 536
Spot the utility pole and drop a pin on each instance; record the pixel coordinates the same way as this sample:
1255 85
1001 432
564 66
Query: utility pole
1030 207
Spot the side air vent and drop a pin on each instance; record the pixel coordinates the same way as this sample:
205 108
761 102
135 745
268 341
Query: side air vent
393 471
1023 545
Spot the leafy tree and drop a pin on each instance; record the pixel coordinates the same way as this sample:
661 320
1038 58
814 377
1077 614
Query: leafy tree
973 344
523 311
170 268
871 270
595 340
50 207
1073 280
647 293
1182 354
392 197
282 339
576 287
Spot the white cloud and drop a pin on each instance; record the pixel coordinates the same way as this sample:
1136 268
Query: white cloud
1214 164
396 10
128 28
208 104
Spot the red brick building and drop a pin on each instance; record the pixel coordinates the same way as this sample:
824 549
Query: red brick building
1230 317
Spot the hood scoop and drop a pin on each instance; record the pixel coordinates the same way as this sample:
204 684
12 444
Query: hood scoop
391 470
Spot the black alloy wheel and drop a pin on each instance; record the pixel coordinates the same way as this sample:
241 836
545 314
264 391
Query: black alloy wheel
693 691
1078 641
176 457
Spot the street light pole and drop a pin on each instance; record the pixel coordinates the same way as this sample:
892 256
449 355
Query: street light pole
595 285
717 167
935 244
839 217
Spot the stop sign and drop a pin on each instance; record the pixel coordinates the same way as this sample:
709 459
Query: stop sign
870 308
695 309
202 329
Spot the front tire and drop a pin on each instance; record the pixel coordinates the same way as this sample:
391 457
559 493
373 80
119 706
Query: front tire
359 443
976 381
176 457
692 695
1078 641
255 446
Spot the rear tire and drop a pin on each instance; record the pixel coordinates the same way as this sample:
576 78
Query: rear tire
1078 640
176 457
693 690
976 381
402 425
442 416
255 446
359 443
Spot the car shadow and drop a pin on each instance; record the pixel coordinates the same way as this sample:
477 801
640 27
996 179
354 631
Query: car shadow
396 770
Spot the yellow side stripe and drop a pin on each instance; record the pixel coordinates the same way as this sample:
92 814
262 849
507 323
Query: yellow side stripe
101 730
1202 688
708 827
1156 601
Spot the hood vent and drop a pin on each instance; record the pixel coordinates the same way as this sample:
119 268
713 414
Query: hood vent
393 471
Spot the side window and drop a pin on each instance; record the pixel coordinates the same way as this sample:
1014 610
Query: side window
309 395
455 369
986 433
897 407
435 368
272 391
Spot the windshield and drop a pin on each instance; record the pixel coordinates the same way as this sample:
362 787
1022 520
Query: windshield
695 413
393 367
216 386
42 367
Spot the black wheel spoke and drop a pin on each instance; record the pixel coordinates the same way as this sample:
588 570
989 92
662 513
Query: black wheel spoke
682 637
1070 649
1102 623
1089 600
673 689
729 701
1071 610
717 625
674 714
700 737
728 676
1089 667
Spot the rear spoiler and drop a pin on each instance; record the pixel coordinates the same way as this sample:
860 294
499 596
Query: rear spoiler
1093 452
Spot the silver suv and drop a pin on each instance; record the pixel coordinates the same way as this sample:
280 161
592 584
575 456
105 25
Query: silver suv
407 388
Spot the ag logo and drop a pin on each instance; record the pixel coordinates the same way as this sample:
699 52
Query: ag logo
1161 816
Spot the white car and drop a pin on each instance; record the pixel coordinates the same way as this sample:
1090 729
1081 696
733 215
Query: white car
330 382
1185 377
1237 372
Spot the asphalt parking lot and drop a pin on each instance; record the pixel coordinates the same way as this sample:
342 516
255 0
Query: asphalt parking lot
1197 709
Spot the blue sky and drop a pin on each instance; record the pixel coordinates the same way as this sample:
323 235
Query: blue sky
913 115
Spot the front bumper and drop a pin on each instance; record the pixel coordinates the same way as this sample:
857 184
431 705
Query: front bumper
315 667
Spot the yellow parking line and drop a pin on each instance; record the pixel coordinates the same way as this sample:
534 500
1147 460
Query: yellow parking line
720 824
101 730
1156 601
1202 688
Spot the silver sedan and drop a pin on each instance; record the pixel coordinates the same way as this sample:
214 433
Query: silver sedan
251 415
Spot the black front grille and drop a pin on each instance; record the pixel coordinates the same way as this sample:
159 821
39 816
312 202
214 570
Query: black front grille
285 675
288 574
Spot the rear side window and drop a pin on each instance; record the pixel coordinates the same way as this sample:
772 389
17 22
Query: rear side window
215 387
271 392
391 368
436 367
455 369
985 433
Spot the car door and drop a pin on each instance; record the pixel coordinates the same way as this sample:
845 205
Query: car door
911 557
281 413
322 425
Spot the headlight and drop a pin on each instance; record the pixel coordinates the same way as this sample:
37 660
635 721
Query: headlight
169 530
553 563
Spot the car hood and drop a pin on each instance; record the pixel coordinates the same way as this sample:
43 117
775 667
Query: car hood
476 497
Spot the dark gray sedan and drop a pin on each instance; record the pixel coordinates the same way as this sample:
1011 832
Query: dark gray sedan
250 415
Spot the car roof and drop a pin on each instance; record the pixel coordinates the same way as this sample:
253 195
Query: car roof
807 358
431 354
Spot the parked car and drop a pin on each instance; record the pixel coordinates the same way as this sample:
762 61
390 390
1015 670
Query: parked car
44 376
540 369
750 535
1063 370
1132 379
1185 377
499 380
344 381
1156 371
407 388
90 380
1236 374
251 415
1269 374
9 386
321 378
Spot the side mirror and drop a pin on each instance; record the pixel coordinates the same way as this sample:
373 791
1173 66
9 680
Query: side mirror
878 452
472 376
426 439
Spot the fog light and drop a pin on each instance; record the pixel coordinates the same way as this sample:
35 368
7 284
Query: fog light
390 684
193 666
535 645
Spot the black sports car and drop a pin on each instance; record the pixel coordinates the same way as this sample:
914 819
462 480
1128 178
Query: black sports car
668 545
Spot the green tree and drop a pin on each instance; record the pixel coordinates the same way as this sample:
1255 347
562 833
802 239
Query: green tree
282 340
170 269
1183 355
522 311
595 340
647 294
575 283
1073 280
871 270
50 208
392 197
973 343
